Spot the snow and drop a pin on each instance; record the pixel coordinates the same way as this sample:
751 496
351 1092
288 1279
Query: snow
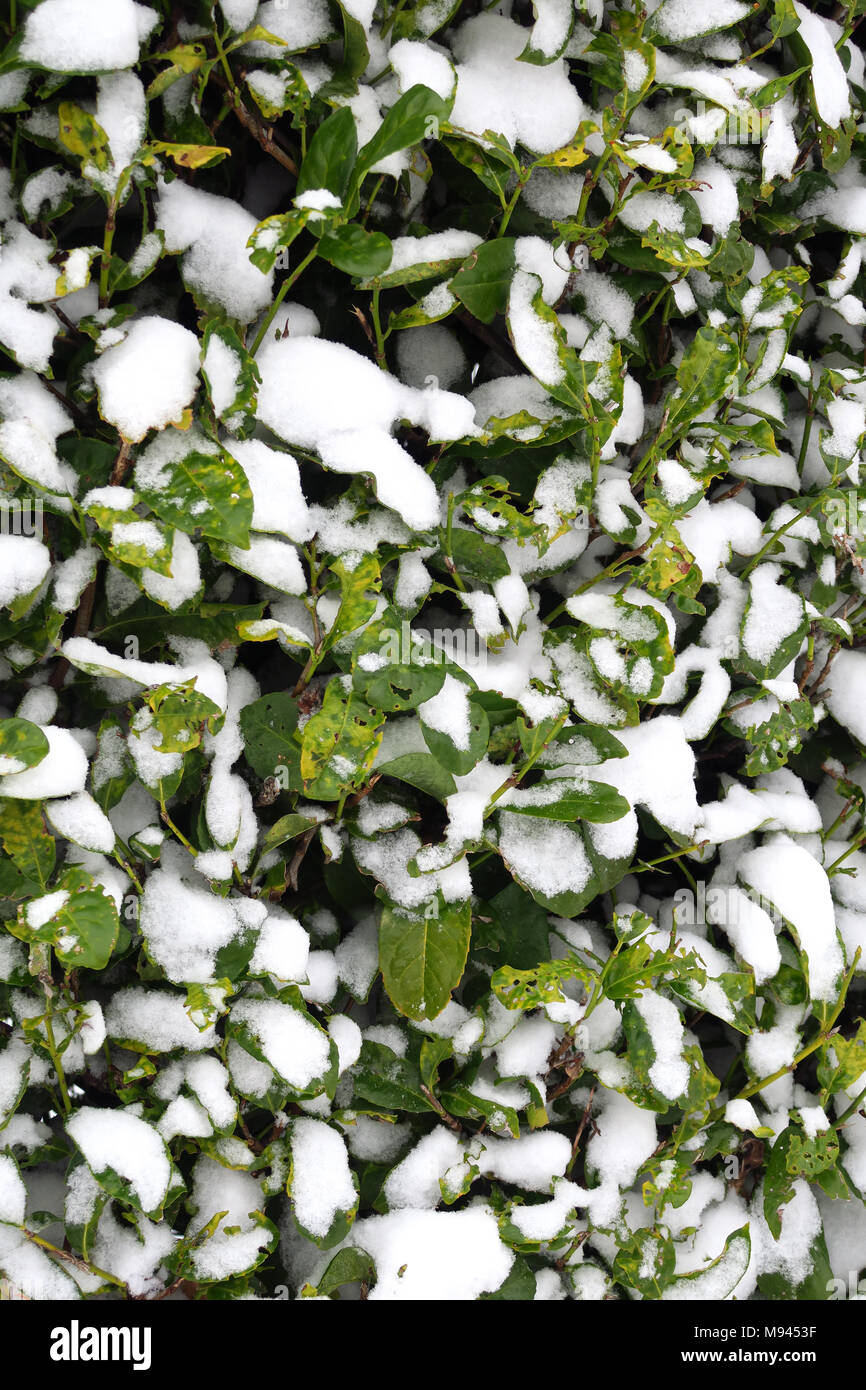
185 925
47 187
448 712
209 676
535 340
156 1019
147 381
626 1137
749 929
120 1140
786 875
452 245
323 396
239 1239
213 232
415 63
535 106
348 1038
26 277
282 949
24 563
272 561
297 1050
829 81
678 20
430 1256
279 504
772 1049
718 202
300 24
80 819
779 149
548 857
222 366
72 576
845 699
321 1183
86 35
62 772
742 1114
669 1072
184 581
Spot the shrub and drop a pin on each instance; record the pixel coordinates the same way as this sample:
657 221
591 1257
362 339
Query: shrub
432 784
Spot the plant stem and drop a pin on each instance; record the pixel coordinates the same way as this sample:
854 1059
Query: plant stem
846 1114
823 1036
174 830
854 845
677 854
127 869
518 775
281 294
377 328
55 1058
70 1258
107 242
449 558
756 559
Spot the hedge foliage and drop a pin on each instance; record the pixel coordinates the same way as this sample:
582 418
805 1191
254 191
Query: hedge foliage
434 697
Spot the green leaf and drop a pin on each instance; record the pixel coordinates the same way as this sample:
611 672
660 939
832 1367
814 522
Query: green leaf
83 136
646 1262
349 1266
200 490
420 770
842 1061
460 760
359 586
247 377
422 955
268 726
392 672
383 1078
22 745
707 371
473 558
511 930
181 714
565 800
778 1181
485 279
356 251
553 26
187 156
331 156
540 985
817 1285
285 829
416 116
717 1279
518 1287
25 839
339 743
82 928
461 1101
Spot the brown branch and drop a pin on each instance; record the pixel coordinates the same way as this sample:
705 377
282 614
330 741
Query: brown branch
824 672
265 138
81 629
121 465
447 1119
584 1121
